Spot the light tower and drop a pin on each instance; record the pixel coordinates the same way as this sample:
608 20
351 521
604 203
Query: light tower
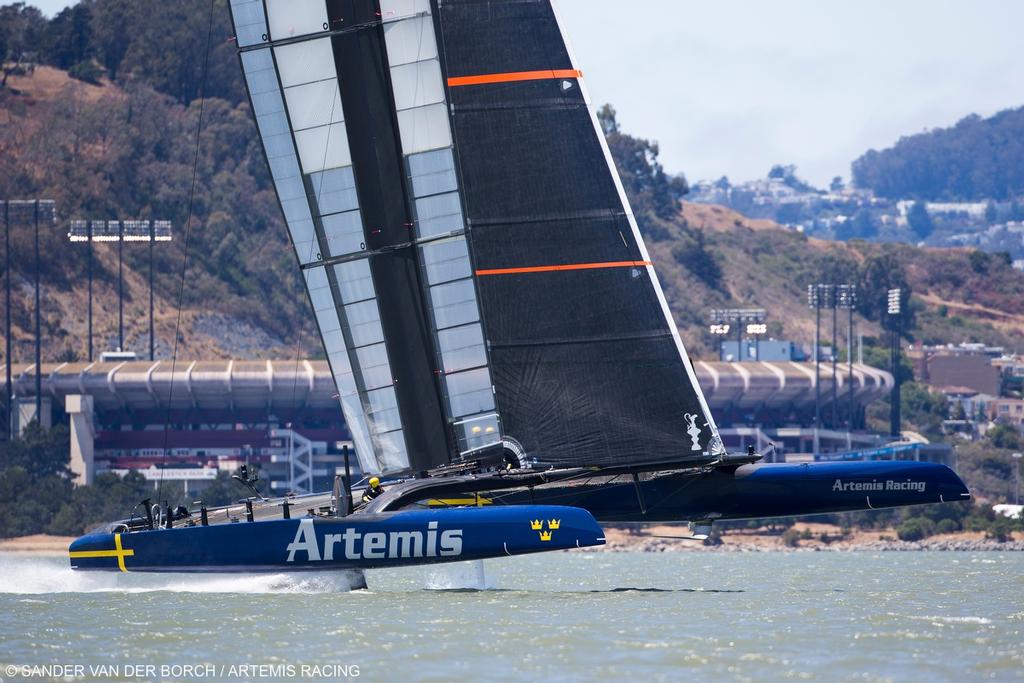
819 296
121 232
895 309
846 298
35 210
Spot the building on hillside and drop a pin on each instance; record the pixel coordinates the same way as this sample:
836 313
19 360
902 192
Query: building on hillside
1006 411
772 350
970 370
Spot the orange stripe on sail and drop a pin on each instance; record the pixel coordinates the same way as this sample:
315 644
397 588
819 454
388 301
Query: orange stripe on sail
514 76
571 266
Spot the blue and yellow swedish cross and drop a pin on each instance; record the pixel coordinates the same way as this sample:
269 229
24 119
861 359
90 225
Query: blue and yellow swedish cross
119 552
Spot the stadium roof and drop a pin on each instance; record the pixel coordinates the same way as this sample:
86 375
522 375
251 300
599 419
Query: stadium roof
304 384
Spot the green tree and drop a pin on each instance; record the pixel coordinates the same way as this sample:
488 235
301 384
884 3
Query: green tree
977 159
39 452
114 24
649 188
920 221
878 274
21 34
693 254
1004 436
69 39
991 215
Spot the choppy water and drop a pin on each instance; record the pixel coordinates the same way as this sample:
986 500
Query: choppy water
563 617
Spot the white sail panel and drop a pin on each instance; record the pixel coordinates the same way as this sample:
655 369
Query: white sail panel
324 147
411 40
272 122
344 233
462 348
294 18
393 10
432 173
335 190
305 62
417 84
314 104
470 392
250 22
425 128
355 282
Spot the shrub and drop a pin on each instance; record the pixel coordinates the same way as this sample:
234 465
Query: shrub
947 526
791 538
87 71
915 529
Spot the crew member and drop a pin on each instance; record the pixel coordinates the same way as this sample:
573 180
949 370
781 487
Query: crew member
373 490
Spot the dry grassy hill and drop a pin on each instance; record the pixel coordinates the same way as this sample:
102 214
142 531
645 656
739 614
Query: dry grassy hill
108 151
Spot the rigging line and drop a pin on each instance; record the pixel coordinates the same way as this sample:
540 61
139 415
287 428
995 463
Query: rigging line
184 260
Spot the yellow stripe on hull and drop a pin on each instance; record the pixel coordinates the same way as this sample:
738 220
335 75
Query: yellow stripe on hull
454 502
119 552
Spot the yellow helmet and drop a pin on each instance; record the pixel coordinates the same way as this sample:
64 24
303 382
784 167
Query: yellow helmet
374 482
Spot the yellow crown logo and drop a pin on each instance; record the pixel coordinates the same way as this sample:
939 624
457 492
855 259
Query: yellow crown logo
536 524
554 523
545 535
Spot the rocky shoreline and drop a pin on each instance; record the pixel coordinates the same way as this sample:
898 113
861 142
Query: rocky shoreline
813 538
658 545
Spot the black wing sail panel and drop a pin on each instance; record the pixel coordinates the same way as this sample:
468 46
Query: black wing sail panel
588 365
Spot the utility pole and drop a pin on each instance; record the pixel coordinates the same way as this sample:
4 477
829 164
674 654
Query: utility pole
40 209
152 339
1016 477
846 298
834 304
814 300
39 334
8 402
120 286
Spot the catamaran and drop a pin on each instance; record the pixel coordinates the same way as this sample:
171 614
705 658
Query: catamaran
502 348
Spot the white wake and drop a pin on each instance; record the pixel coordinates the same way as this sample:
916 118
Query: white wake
458 576
37 575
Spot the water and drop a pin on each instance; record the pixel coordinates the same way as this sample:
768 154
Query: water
562 617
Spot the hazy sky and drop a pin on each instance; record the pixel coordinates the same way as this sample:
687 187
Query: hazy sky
730 88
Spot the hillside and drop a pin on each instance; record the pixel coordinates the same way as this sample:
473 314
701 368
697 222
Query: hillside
105 152
123 146
975 160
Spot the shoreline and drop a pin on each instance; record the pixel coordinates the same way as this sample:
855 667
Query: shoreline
822 538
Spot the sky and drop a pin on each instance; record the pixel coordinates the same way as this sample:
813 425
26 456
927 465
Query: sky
733 87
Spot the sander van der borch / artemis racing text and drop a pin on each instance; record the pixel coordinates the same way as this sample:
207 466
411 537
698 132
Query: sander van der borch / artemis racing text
143 671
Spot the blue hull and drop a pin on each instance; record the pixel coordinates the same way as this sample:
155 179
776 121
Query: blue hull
360 541
760 490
